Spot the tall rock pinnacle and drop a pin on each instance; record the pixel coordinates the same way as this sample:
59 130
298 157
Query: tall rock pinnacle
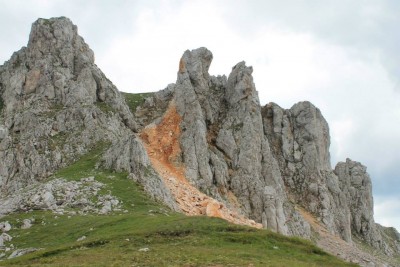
57 104
59 38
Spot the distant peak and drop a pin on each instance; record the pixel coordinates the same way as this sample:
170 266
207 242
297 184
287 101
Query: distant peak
44 30
58 38
196 62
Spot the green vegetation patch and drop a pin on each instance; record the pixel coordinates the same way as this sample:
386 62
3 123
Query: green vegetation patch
106 108
135 100
147 233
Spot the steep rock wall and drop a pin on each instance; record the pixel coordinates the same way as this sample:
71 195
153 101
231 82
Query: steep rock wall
224 149
56 105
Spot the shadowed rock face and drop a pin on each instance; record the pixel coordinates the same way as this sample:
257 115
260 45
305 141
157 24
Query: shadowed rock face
264 163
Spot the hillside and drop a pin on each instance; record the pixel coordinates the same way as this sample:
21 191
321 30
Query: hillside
95 175
172 239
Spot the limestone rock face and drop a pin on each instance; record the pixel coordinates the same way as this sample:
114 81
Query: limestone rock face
356 187
56 105
341 198
128 154
265 166
300 142
224 149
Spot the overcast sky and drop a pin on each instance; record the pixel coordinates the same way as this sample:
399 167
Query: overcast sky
340 55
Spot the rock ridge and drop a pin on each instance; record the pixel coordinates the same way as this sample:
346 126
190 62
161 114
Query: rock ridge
57 105
203 145
267 163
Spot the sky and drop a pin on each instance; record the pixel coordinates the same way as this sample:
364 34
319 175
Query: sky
341 55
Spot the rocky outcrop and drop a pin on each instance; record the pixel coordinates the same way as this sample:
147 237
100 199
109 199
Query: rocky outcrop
341 198
266 163
203 145
128 154
57 105
223 149
356 188
299 138
62 197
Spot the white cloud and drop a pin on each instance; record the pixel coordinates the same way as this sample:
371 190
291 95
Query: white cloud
387 212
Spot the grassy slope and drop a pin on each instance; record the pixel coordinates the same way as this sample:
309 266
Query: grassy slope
173 239
134 100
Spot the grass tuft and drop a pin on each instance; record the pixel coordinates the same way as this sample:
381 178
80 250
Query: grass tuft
135 100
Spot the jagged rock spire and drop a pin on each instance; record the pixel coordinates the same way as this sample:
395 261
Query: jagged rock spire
53 88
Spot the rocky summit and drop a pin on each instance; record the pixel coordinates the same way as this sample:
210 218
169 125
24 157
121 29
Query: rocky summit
202 146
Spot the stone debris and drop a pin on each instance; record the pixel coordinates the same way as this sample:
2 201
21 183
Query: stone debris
26 224
333 244
21 252
61 196
5 226
144 249
81 238
4 238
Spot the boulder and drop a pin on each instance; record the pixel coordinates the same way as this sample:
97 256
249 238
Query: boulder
21 252
5 226
26 224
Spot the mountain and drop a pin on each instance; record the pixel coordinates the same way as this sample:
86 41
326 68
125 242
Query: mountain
202 146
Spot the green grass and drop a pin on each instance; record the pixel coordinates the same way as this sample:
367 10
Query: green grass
135 100
172 238
106 108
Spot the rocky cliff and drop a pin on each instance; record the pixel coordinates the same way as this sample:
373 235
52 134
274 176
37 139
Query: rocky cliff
57 105
203 146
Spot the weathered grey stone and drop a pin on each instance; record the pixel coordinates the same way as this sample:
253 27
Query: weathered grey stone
128 154
57 195
224 149
356 188
5 226
21 252
57 105
299 138
3 132
267 163
26 224
5 238
341 199
81 238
